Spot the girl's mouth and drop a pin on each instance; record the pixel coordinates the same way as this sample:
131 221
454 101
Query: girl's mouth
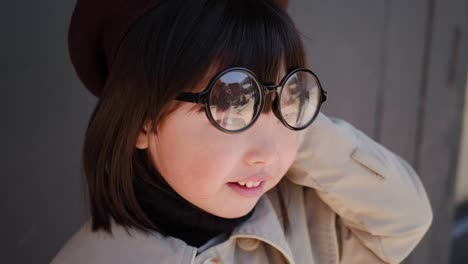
247 189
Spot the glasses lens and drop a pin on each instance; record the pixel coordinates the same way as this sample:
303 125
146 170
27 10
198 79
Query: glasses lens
299 99
234 100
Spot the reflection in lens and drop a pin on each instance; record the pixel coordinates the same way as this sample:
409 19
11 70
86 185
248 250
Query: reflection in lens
299 99
234 99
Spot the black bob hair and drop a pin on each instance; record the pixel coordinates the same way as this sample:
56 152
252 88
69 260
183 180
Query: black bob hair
169 50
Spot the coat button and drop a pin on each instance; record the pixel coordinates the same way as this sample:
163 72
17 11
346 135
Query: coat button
212 261
248 244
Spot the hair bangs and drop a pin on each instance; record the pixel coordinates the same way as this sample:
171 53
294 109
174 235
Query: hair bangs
257 35
263 40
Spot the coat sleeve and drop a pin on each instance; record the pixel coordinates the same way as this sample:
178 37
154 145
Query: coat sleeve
377 194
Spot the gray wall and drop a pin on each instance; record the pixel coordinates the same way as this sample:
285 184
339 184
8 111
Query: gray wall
47 112
402 63
396 69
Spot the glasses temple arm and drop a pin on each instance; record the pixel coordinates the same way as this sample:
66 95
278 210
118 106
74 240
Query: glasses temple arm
191 98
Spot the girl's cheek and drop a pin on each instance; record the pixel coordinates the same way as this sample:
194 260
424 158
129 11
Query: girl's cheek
290 148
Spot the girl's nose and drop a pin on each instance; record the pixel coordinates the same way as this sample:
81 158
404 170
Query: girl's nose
260 153
262 147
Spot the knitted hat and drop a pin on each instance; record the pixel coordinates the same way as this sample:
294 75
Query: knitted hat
96 30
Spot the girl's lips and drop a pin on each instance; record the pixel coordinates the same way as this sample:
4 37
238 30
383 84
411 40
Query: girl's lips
256 178
245 191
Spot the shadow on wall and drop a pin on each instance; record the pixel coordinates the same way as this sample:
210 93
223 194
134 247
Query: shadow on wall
460 229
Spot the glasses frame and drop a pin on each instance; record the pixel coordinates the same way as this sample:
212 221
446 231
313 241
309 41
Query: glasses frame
203 98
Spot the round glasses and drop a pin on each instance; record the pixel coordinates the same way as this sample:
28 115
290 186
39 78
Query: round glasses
234 99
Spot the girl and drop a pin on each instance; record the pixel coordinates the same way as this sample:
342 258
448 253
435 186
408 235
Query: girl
207 145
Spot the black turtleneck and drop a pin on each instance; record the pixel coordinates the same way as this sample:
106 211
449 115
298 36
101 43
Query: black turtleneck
171 213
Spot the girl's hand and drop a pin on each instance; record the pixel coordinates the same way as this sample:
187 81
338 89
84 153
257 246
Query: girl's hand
377 194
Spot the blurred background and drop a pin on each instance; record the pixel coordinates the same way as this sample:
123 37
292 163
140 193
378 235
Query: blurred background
396 69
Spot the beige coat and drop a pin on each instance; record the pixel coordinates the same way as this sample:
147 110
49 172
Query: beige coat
348 199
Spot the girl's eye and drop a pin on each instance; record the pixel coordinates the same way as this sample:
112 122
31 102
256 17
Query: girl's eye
200 108
290 116
232 122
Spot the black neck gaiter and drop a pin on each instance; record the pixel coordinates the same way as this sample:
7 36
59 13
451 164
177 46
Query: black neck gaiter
171 213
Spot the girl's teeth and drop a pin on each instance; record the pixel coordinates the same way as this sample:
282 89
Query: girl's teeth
249 184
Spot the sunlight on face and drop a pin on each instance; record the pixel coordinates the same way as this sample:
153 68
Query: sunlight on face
202 163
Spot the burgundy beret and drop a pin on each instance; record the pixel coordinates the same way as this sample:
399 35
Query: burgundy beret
96 29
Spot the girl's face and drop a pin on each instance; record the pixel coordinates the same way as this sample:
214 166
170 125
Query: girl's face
204 164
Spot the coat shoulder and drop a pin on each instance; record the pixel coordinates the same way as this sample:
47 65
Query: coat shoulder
121 246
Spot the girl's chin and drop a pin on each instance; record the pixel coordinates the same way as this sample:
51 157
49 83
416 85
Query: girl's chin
239 211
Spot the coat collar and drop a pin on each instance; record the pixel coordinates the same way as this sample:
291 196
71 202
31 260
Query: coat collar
131 245
264 225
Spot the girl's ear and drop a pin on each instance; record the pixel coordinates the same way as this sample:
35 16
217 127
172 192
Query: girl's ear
143 137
